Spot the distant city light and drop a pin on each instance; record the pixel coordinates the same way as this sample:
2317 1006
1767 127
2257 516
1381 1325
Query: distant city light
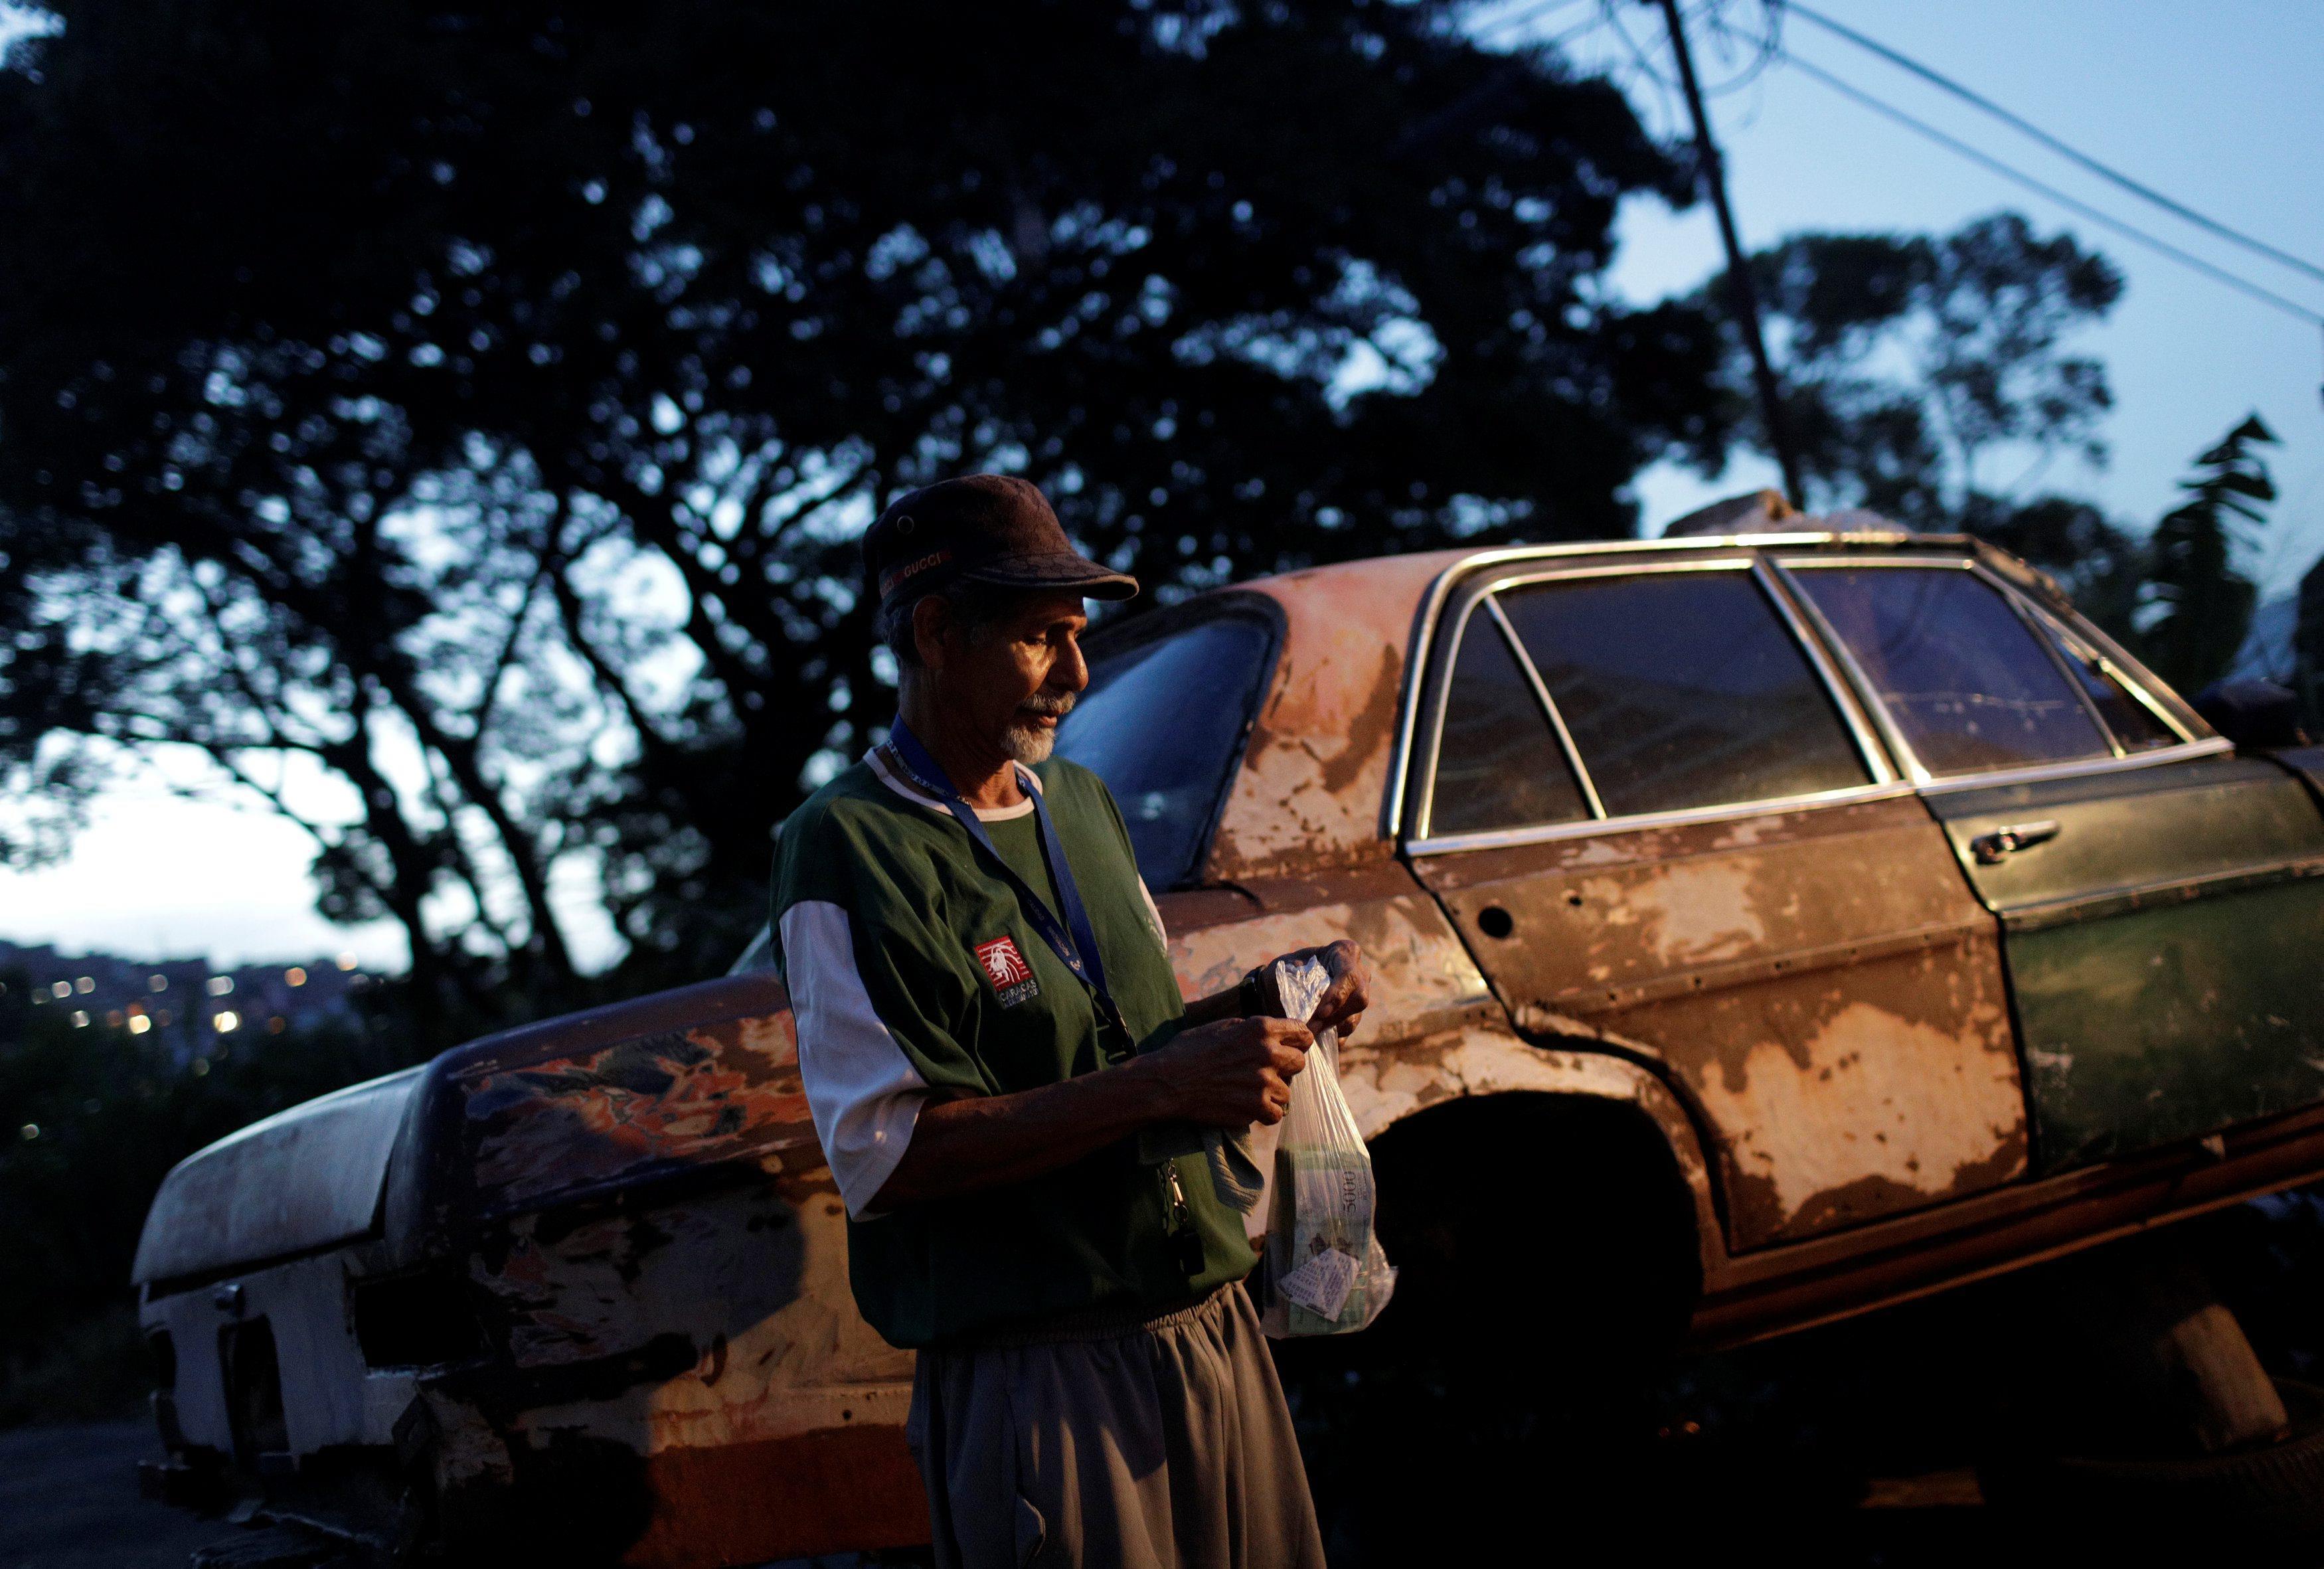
40 994
158 983
139 1024
295 975
112 1017
61 989
80 1020
277 1025
30 1131
221 985
201 1066
163 1017
85 985
227 1021
347 961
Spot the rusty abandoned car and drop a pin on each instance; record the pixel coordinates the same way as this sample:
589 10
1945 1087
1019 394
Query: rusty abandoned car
1839 908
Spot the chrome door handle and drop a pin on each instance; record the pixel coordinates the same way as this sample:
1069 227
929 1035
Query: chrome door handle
2003 842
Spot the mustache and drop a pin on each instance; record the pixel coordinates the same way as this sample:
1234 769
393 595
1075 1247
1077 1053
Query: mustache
1048 706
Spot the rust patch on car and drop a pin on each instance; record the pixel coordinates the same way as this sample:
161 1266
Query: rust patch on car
713 1094
706 1334
1309 794
1374 723
1387 1080
1880 1195
1825 989
663 1255
1423 978
829 1491
1895 1088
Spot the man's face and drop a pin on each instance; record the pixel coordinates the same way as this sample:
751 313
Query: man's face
1015 679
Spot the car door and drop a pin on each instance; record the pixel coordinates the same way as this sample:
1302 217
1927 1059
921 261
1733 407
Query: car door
1657 819
2161 902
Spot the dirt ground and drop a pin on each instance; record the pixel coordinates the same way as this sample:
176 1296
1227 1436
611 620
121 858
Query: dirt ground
68 1501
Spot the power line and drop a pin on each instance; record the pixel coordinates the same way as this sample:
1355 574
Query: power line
1518 19
2018 123
1986 161
1764 53
1561 39
1712 14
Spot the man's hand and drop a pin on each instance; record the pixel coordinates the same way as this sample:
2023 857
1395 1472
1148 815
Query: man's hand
1343 1002
1233 1073
1228 1074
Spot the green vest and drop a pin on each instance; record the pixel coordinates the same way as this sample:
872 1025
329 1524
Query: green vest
979 1005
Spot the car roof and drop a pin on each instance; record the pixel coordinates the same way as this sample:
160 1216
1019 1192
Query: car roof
1423 566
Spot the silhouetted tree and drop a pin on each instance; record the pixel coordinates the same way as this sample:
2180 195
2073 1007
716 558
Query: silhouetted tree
2202 604
1912 364
454 420
1910 361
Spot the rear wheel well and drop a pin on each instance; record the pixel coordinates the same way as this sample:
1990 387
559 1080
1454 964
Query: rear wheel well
1547 1260
1562 1216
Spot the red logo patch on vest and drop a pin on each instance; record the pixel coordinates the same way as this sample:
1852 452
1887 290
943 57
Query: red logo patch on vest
1005 967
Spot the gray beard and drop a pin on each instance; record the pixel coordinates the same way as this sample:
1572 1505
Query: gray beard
1028 744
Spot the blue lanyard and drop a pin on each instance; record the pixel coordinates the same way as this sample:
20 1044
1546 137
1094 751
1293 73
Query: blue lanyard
1076 947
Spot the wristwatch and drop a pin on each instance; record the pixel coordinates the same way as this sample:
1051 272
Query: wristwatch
1251 995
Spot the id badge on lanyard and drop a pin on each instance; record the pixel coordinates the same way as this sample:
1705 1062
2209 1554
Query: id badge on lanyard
1075 943
1073 940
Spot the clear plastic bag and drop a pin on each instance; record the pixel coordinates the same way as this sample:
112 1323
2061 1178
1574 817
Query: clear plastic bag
1323 1271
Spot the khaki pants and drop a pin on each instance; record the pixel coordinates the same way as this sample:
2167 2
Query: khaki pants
1154 1443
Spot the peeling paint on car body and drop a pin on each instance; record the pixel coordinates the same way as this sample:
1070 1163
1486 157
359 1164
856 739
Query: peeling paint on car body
638 1216
1423 977
1386 1083
1307 796
1808 1006
1822 987
2162 947
695 1097
660 1246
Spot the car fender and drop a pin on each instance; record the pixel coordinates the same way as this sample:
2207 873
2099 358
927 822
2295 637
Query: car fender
1434 1032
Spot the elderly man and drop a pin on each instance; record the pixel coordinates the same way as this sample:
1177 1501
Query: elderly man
987 1023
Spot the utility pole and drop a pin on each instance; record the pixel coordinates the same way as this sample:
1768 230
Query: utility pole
1742 298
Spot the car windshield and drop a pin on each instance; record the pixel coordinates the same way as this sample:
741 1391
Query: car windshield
1162 723
759 955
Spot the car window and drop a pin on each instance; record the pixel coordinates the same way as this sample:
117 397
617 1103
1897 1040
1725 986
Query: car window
1682 689
1499 764
1162 723
1956 668
2134 724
